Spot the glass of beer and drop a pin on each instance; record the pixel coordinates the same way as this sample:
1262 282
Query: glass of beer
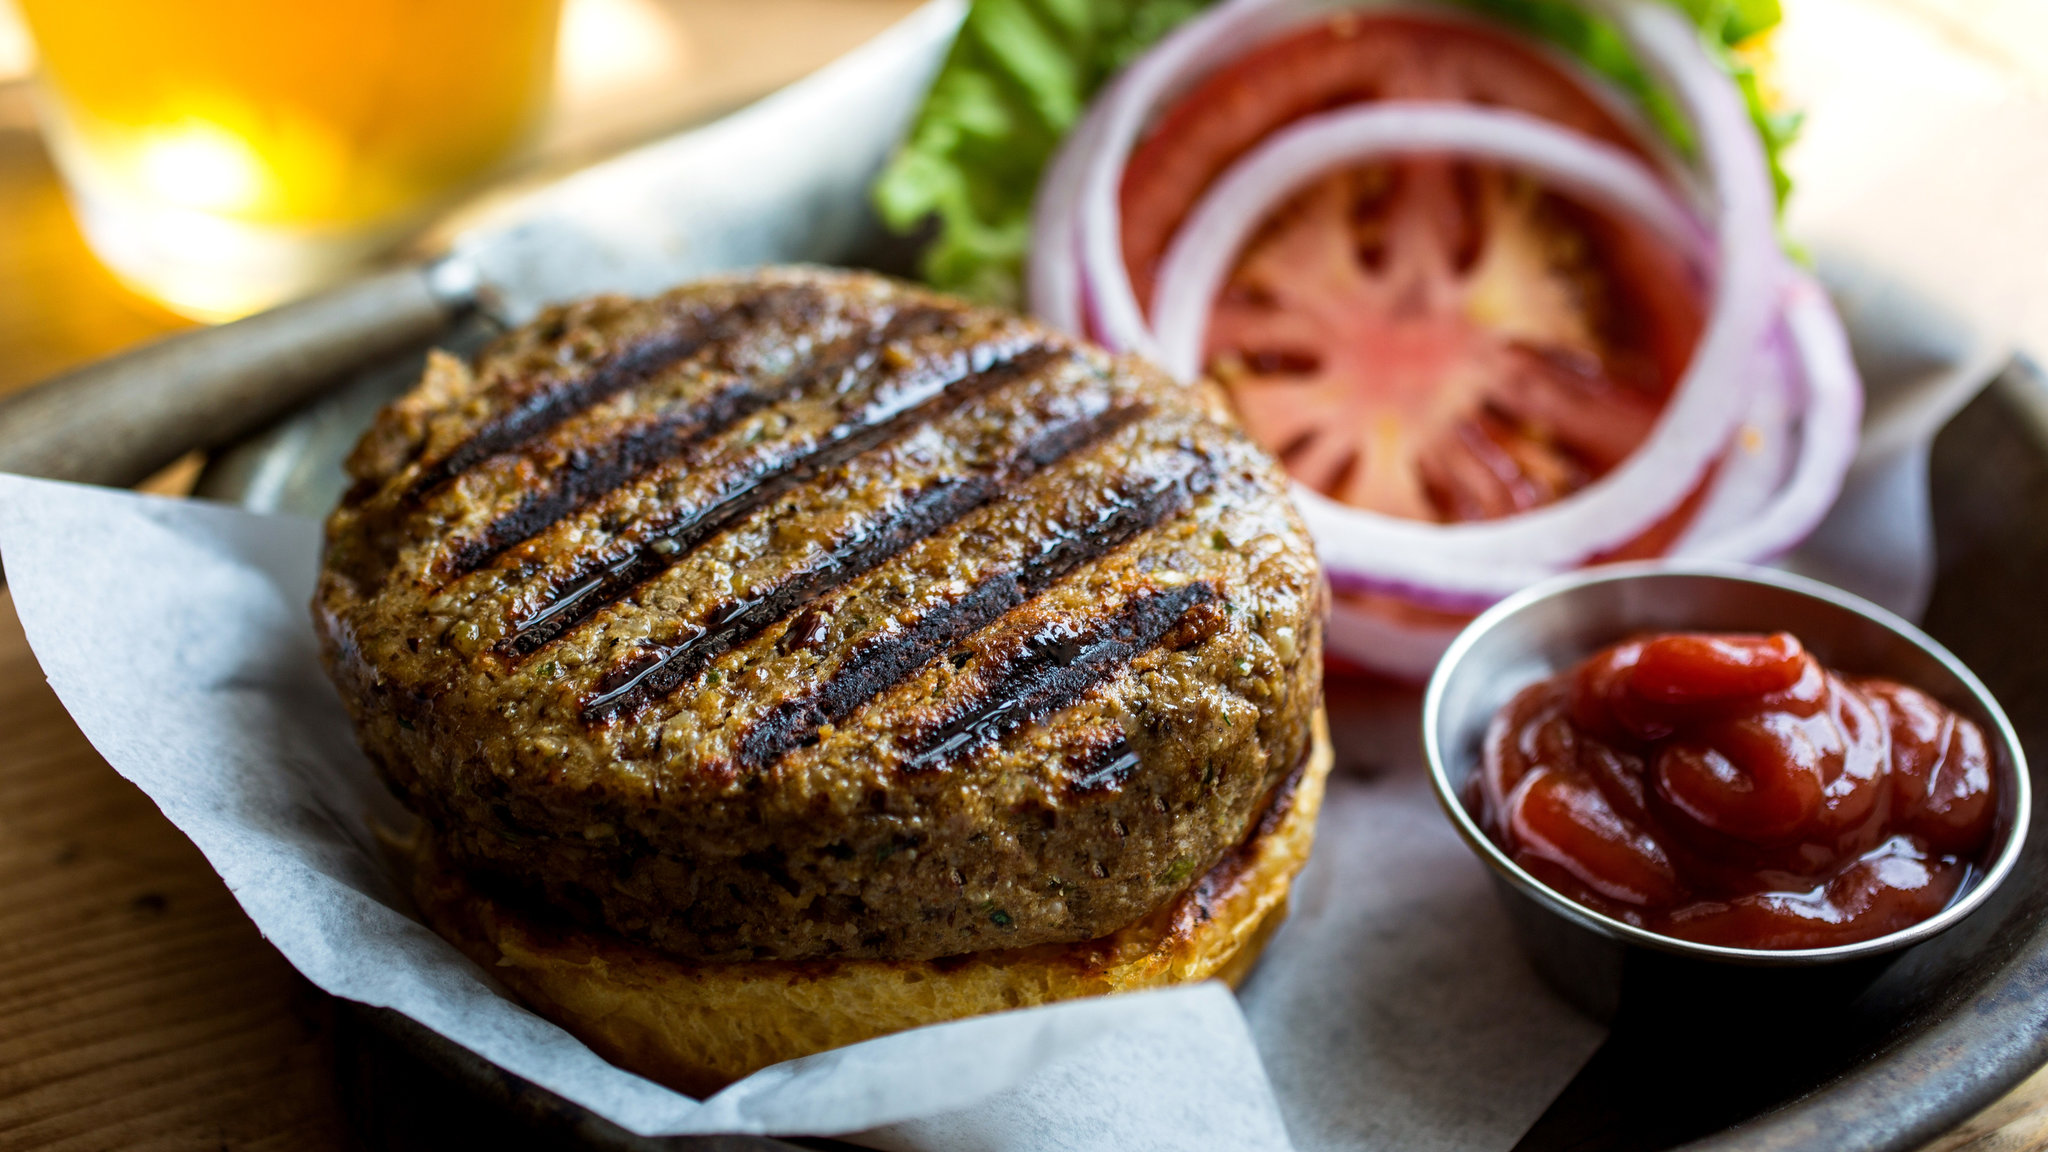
225 155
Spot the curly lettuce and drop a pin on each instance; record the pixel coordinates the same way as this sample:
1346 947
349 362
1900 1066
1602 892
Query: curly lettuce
1021 73
1016 80
1724 26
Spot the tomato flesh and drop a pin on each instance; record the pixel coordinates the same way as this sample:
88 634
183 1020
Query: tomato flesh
1350 59
1428 338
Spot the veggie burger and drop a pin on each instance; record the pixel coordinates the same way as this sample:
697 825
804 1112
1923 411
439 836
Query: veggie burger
802 656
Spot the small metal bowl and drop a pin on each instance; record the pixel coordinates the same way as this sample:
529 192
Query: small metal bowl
1545 629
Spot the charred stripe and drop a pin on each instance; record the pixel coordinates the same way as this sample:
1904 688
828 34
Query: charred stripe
1107 769
599 469
939 505
874 667
1055 668
589 475
981 371
624 369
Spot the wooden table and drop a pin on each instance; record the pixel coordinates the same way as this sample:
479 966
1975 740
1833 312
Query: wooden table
139 1008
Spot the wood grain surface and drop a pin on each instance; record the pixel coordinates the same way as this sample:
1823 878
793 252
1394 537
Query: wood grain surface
139 1008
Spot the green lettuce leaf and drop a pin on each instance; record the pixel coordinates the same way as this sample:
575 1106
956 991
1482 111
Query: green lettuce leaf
1723 24
1022 71
1016 80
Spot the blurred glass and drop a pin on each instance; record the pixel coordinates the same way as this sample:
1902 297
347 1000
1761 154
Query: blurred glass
224 155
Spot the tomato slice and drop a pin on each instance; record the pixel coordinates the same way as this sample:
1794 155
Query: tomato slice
1349 59
1429 338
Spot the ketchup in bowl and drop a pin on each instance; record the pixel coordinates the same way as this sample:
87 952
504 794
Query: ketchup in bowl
1729 789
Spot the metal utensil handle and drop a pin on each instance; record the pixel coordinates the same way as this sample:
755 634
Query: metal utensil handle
119 420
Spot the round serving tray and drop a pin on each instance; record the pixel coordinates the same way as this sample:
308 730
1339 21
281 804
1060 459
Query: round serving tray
1884 1058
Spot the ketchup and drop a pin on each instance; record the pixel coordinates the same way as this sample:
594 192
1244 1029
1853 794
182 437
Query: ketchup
1728 789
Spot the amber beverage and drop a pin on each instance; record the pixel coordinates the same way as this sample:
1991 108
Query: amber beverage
223 155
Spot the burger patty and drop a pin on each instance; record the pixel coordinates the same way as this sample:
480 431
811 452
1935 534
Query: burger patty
807 614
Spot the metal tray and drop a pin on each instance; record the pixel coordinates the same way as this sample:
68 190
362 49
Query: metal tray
1881 1060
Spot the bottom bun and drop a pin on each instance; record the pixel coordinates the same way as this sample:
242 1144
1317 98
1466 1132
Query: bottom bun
699 1027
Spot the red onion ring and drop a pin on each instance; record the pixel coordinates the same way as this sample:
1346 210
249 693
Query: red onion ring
1475 563
1760 456
1392 648
1089 165
1169 67
1486 560
1833 413
1206 246
1761 505
1761 501
1053 286
1368 551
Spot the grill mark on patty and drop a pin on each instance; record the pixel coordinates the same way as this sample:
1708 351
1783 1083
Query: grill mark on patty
589 475
875 666
1055 667
623 369
984 369
936 507
594 471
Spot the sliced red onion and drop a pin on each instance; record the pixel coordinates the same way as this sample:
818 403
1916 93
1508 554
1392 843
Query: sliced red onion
1832 404
1170 67
1367 551
1206 246
1199 46
1054 288
1478 562
1762 502
1760 457
1083 183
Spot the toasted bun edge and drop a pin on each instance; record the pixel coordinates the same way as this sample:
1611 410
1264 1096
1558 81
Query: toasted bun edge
699 1027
